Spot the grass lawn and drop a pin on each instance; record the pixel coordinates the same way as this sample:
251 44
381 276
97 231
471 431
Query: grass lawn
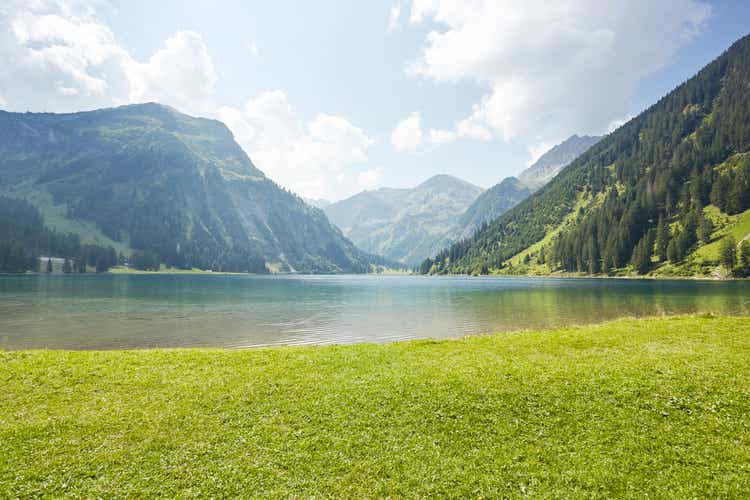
630 408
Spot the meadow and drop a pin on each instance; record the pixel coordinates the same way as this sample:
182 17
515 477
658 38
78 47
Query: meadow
655 407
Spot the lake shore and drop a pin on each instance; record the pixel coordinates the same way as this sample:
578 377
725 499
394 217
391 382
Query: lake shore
632 407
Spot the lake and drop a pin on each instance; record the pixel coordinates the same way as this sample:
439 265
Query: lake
136 311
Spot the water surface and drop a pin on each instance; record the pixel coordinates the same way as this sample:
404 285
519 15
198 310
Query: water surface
135 311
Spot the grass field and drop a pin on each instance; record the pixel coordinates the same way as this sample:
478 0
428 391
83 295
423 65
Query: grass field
631 408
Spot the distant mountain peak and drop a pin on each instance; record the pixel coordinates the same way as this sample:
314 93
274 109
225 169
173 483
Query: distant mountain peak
558 157
404 224
445 180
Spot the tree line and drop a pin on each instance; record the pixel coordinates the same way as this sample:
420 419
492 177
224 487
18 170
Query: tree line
24 238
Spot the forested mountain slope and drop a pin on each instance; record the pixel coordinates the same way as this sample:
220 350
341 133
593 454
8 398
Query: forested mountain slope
147 178
638 198
404 225
505 195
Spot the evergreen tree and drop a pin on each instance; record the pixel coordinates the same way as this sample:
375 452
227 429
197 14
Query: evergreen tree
49 266
67 268
744 260
673 251
642 256
705 229
728 252
662 239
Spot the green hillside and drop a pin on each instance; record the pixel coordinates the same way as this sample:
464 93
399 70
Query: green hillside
169 188
634 202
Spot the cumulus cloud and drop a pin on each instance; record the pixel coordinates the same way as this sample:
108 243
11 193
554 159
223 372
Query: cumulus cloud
407 135
59 56
550 68
180 74
313 158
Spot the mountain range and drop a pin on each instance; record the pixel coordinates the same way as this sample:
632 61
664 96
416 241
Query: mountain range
408 225
404 225
148 178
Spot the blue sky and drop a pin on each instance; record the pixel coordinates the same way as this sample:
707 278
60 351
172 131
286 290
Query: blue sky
332 97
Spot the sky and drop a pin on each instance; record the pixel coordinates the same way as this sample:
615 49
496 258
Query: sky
332 97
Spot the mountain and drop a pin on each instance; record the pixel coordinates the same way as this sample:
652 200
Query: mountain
654 196
317 202
510 191
404 224
490 205
147 178
550 163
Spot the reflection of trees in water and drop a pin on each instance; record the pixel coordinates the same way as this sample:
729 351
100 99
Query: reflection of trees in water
581 302
238 311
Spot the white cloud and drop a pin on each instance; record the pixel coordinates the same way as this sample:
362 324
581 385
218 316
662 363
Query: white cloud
253 47
407 135
550 68
59 56
394 16
180 74
370 178
314 159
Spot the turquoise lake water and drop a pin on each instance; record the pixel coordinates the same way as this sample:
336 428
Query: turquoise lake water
140 311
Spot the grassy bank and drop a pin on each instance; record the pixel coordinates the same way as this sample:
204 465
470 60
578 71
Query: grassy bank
629 408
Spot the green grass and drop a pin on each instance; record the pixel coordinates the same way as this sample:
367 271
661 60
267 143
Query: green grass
736 225
631 408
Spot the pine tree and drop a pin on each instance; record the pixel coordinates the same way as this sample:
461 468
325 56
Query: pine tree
662 239
728 252
67 268
642 256
744 259
49 266
705 229
673 250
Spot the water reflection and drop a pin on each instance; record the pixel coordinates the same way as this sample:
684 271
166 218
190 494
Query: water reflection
110 311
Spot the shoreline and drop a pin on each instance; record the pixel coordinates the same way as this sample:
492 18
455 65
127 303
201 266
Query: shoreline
431 340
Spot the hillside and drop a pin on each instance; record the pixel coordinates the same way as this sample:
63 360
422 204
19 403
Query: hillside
636 200
404 225
178 189
503 196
